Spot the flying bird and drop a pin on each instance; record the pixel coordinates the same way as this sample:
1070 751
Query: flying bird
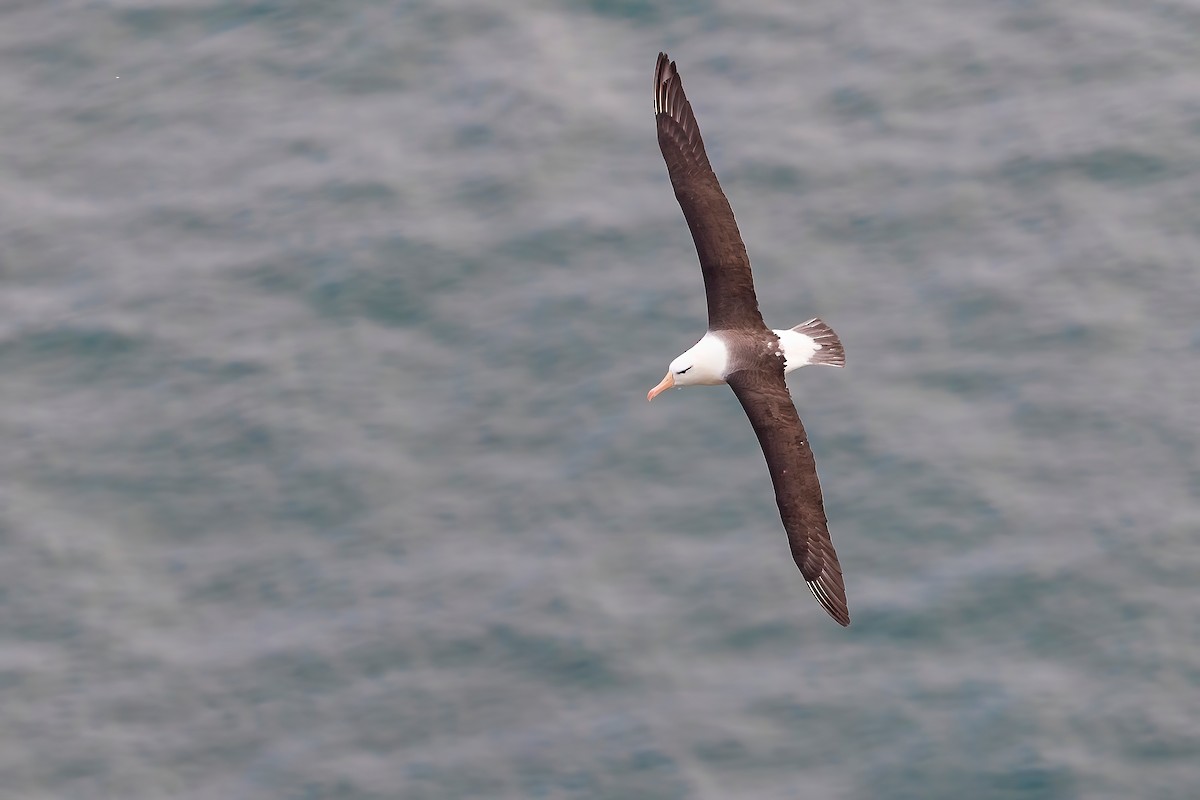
741 351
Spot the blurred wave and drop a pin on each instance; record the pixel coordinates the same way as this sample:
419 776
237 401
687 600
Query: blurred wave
324 330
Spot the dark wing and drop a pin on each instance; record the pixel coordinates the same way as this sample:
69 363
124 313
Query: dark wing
723 260
765 398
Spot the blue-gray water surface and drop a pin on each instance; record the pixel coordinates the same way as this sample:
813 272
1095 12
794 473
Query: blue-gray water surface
327 470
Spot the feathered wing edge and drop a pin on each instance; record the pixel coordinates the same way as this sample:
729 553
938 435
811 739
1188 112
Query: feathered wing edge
768 404
728 283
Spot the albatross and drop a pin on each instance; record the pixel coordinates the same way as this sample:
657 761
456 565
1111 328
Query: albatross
740 350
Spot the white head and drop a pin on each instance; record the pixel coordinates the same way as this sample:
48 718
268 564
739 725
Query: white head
702 365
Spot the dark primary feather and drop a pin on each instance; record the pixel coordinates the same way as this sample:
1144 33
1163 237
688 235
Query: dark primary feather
723 260
767 402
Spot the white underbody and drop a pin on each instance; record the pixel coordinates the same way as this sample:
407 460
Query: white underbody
706 362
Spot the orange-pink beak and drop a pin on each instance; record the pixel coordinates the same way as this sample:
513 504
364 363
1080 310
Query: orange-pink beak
663 385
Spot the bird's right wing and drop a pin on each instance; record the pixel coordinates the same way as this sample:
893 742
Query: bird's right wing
723 259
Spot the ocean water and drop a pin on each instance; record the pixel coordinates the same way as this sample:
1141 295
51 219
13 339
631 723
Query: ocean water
327 472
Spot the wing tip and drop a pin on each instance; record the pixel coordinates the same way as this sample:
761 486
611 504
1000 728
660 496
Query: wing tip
828 586
665 74
677 127
833 603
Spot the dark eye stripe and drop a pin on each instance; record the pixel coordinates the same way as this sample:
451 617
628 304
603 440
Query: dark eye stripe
685 369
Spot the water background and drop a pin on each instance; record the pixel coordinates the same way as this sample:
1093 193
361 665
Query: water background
326 469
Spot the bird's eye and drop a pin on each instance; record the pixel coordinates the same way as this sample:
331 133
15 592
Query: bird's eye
685 369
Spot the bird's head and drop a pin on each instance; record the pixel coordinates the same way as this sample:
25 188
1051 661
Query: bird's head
702 365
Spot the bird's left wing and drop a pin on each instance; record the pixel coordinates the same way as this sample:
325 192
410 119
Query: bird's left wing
764 396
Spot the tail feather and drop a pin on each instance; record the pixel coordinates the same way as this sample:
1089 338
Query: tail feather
831 351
